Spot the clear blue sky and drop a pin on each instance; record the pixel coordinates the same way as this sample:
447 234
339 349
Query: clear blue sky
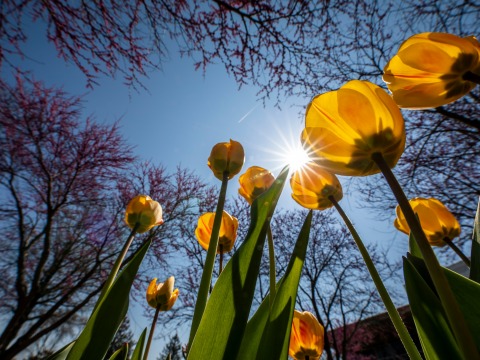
183 114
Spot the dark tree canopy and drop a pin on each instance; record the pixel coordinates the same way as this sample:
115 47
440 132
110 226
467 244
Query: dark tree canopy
284 48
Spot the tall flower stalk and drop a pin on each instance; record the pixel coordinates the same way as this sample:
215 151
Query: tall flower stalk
452 309
255 181
397 321
161 297
226 160
206 279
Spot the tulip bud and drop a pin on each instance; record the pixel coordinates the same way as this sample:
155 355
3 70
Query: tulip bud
226 157
312 186
307 337
145 212
162 296
437 222
227 234
255 181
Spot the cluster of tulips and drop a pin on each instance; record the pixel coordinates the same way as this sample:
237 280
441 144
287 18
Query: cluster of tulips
357 130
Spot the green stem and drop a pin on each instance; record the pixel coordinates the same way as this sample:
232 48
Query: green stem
455 316
459 252
402 331
271 257
117 265
202 296
150 336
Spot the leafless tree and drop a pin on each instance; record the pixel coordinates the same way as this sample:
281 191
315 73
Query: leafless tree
285 48
64 185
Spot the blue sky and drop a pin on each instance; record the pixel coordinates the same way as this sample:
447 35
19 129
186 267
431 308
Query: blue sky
184 113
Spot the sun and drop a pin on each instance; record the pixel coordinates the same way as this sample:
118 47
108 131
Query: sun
296 157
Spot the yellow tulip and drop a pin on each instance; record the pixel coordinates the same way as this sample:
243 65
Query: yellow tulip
307 337
344 128
162 296
255 181
437 222
433 69
227 234
312 186
144 211
226 157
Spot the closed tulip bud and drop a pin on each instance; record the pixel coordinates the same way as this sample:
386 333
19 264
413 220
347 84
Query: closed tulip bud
145 212
227 234
312 186
344 128
307 337
162 296
437 222
255 181
433 69
226 157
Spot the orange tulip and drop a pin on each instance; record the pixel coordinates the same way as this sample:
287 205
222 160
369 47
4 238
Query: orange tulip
226 157
307 337
255 181
437 222
227 234
144 211
344 128
312 186
433 69
162 296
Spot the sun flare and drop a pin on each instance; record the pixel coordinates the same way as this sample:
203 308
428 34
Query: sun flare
296 157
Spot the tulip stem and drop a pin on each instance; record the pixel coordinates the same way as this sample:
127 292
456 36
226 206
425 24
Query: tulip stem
117 265
150 336
203 291
459 252
271 258
470 76
452 309
397 321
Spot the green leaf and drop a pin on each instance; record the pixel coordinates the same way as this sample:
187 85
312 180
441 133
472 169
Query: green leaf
229 305
467 293
100 330
267 335
120 354
62 353
430 319
413 247
138 352
475 257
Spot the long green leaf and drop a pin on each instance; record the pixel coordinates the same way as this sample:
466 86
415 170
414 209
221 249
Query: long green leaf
62 353
466 292
267 335
475 257
138 352
413 247
120 354
229 304
100 330
430 319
